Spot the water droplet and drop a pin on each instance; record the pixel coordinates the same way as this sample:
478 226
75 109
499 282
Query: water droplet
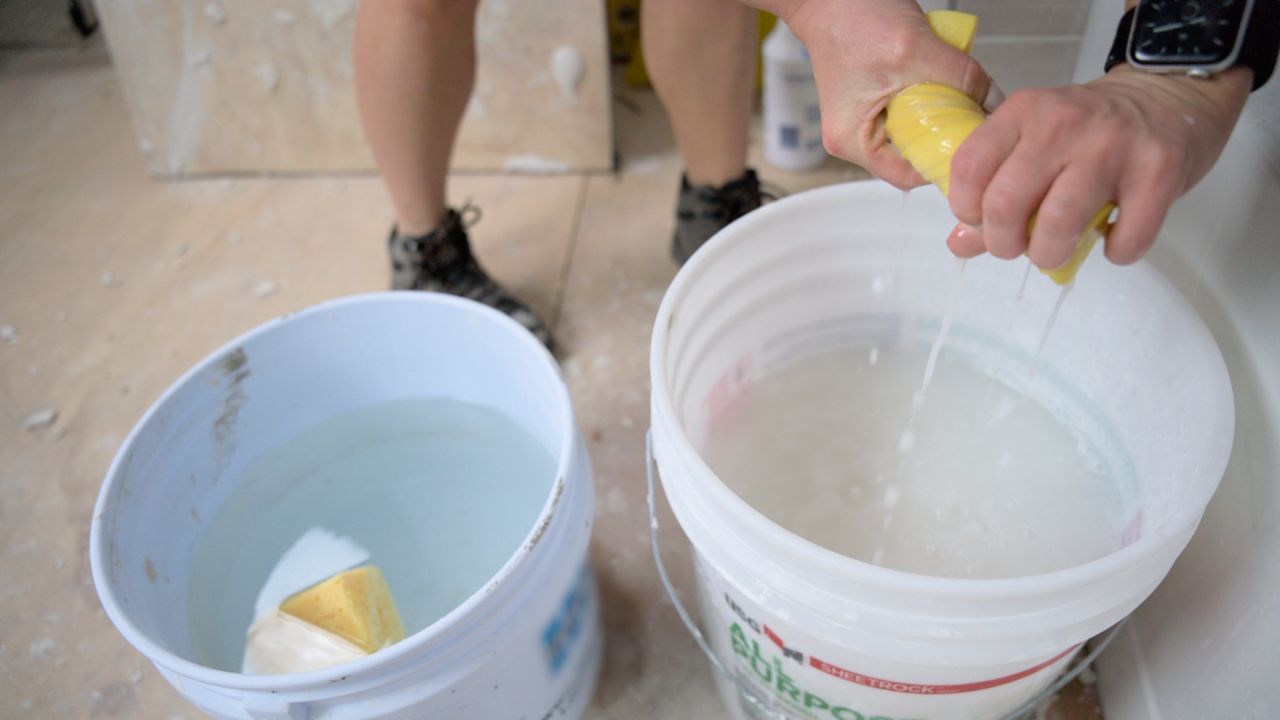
891 495
907 442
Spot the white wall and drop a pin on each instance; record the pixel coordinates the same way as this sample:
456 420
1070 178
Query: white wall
1207 644
1027 43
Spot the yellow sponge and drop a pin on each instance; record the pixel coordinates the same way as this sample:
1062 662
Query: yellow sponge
355 605
927 123
1098 227
956 29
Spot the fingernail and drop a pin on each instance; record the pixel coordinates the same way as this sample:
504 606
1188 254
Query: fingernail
965 236
995 96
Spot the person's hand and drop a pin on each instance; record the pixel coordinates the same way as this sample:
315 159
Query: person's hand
1138 139
863 53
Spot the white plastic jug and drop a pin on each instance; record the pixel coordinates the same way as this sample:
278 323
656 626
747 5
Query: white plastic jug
791 115
526 644
808 633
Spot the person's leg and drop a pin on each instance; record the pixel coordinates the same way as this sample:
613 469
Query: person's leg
701 59
415 64
701 55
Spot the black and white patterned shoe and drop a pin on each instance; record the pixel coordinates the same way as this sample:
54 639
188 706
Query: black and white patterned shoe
441 261
703 210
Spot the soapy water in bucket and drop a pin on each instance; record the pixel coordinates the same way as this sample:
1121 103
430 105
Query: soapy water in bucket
440 492
993 486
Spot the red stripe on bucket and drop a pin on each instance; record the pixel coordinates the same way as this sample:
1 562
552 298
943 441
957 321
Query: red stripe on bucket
918 689
774 637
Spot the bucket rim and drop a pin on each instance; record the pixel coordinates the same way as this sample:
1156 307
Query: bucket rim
451 623
763 532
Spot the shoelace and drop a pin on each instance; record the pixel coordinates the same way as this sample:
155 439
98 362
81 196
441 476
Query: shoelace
454 221
464 275
770 192
736 199
469 215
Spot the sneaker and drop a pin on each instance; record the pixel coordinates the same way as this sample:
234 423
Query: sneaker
702 211
441 261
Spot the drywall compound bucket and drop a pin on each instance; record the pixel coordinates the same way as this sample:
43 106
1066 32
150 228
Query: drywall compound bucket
804 632
527 644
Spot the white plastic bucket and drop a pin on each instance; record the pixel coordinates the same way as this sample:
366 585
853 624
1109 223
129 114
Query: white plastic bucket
813 634
525 645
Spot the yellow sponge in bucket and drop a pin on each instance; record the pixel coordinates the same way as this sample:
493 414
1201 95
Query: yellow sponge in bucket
355 605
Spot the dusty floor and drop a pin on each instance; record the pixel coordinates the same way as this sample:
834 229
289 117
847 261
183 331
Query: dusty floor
114 284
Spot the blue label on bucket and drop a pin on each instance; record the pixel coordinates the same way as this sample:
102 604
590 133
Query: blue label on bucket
567 624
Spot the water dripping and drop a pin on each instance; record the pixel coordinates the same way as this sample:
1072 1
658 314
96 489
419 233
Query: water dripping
1022 288
938 342
1048 326
907 442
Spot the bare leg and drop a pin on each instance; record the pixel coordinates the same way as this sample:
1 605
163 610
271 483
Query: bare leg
700 55
415 67
415 64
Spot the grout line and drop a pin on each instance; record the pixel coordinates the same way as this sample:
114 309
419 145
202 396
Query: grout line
580 208
1021 39
355 174
25 45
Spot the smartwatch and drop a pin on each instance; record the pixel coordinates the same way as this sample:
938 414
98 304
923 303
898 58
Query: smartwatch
1199 38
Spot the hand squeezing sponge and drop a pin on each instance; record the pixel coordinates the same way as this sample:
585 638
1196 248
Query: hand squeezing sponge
928 122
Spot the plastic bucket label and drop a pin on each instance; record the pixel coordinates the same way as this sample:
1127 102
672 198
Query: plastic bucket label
797 679
561 633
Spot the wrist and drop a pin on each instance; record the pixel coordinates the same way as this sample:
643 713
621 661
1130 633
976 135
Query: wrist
1221 95
1196 115
1212 37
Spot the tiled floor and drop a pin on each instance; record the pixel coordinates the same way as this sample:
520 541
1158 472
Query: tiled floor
114 284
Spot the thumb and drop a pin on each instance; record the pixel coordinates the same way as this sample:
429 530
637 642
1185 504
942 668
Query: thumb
885 163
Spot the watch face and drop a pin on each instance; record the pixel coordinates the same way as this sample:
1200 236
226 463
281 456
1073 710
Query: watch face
1186 32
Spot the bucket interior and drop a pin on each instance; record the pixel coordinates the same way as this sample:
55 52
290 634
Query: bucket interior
187 457
1128 364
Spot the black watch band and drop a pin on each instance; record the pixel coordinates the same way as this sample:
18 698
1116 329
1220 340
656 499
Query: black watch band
1261 41
1120 45
1258 47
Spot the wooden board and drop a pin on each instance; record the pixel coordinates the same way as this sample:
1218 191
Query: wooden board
243 86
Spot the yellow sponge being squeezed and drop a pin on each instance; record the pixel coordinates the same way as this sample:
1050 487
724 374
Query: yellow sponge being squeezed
955 28
355 605
928 122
